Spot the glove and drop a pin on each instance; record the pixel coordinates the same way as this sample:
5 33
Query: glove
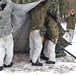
42 32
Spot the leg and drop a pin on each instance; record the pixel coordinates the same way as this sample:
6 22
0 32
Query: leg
2 54
37 46
31 44
43 55
9 49
71 35
46 48
51 50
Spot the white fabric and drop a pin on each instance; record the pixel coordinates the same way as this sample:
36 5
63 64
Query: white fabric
49 50
68 36
5 21
6 50
35 45
64 24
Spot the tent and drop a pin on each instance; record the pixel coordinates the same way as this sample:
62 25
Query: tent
21 25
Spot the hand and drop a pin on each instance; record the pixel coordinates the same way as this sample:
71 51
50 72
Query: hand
42 32
54 41
42 37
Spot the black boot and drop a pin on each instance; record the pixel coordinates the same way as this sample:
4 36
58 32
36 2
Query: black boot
1 68
37 64
50 62
10 65
30 61
43 57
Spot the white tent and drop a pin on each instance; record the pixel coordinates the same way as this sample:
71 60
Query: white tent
21 25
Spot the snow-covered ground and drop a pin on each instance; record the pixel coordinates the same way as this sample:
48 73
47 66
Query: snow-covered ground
64 65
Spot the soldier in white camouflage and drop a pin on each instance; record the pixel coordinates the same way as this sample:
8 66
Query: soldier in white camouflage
36 32
51 35
51 38
6 38
54 11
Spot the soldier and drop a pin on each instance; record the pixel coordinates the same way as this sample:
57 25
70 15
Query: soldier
51 39
6 38
53 9
68 36
37 21
71 20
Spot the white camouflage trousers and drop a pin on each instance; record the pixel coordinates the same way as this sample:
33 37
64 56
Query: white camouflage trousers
49 50
6 50
35 45
68 36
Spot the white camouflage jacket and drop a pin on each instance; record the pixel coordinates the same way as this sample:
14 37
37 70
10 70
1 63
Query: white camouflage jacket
5 21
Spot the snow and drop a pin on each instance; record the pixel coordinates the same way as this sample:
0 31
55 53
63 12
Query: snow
64 66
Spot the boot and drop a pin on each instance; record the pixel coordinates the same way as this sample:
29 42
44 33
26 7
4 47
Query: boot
50 62
37 64
30 61
1 68
10 65
43 57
